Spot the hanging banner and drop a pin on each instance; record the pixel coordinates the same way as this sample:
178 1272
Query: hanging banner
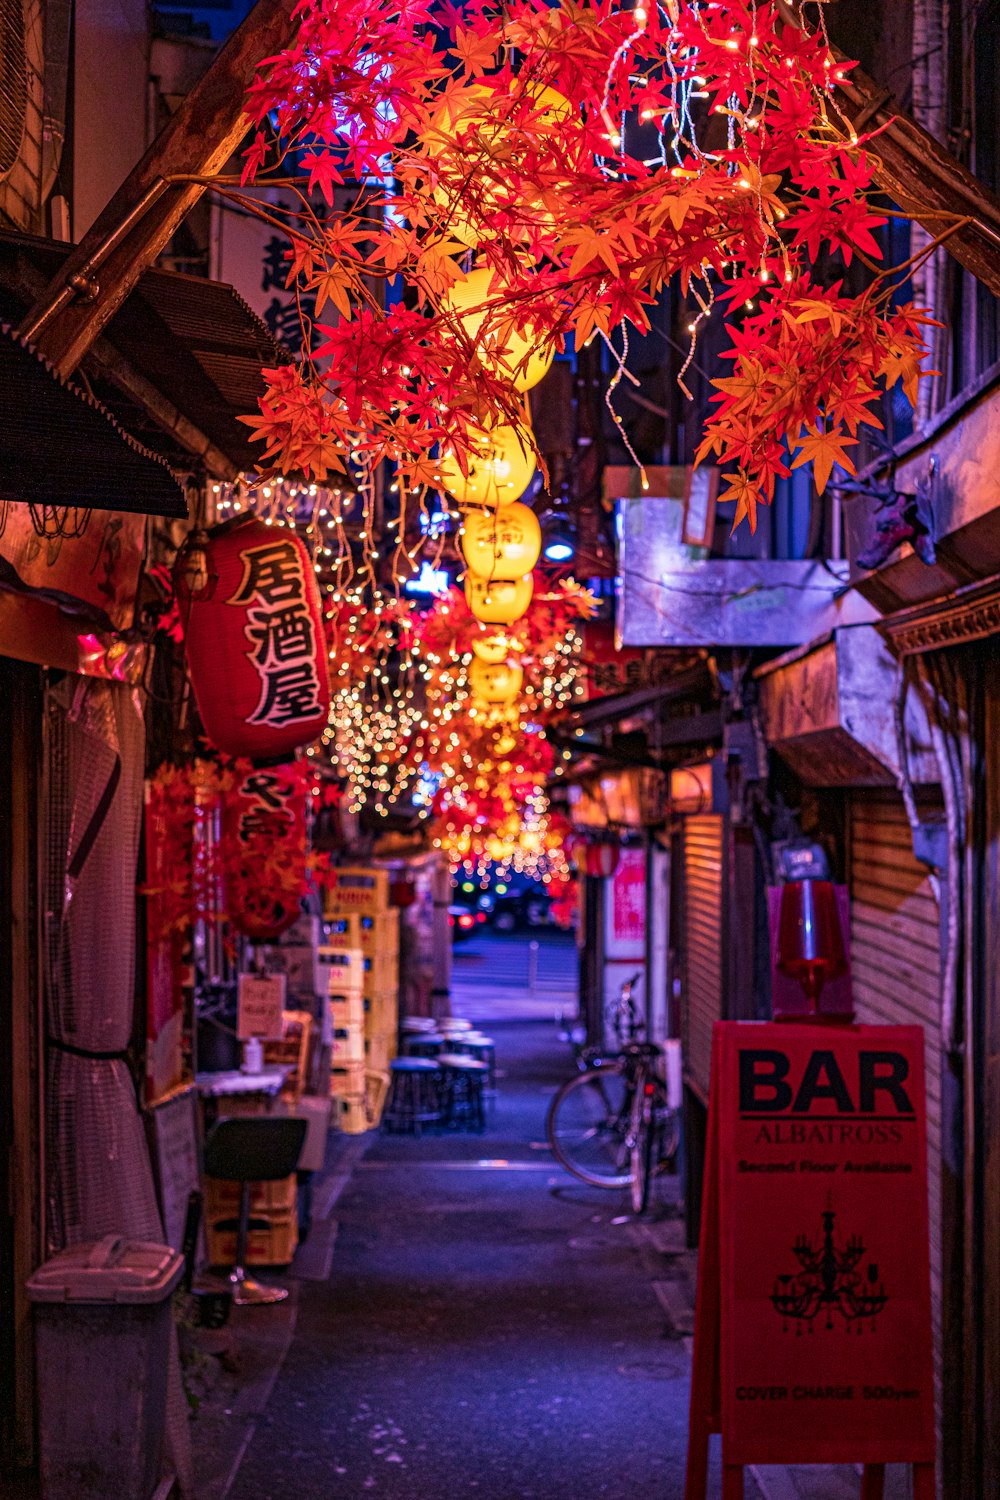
264 824
255 645
813 1334
627 935
164 959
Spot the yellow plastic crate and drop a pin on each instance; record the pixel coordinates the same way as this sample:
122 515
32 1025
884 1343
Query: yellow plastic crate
346 1011
273 1246
381 972
346 931
379 934
222 1198
351 1115
380 1051
381 1012
348 1046
357 888
344 968
347 1080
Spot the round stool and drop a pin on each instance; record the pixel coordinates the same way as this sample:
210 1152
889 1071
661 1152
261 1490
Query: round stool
423 1043
463 1079
474 1044
414 1095
418 1023
452 1025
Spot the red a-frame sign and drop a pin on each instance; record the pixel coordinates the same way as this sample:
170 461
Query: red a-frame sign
813 1325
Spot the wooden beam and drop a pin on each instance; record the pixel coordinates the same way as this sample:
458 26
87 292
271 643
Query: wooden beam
925 179
147 209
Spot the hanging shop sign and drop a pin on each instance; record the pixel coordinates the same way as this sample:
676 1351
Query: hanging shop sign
264 829
608 669
628 905
813 1326
255 645
260 1002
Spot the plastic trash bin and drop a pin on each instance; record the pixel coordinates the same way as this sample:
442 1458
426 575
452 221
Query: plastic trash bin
102 1337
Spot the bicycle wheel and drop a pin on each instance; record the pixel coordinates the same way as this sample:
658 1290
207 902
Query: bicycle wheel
641 1136
587 1126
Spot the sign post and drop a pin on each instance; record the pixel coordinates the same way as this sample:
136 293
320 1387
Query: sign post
813 1322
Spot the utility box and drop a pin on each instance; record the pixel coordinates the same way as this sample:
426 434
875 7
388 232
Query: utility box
102 1338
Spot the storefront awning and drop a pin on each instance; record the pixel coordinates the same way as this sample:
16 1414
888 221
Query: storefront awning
178 365
60 447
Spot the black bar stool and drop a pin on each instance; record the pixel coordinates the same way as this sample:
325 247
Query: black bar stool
414 1095
474 1044
248 1149
464 1078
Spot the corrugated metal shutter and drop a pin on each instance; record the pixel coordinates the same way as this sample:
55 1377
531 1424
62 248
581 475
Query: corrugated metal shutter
702 997
896 964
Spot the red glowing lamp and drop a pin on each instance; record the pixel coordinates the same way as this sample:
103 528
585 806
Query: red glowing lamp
810 942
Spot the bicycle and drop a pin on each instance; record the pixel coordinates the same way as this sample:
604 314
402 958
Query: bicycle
612 1125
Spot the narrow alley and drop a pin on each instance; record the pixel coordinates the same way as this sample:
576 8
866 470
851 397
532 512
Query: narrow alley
489 1327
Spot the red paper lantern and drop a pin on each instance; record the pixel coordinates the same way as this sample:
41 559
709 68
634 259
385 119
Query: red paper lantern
402 892
264 841
602 859
255 645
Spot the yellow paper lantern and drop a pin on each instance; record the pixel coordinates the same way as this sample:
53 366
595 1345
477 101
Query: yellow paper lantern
467 132
502 543
512 346
500 601
494 647
502 474
496 682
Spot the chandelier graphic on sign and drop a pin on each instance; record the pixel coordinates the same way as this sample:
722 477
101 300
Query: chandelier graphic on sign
830 1281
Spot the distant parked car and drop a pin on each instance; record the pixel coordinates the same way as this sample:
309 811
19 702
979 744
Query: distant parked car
520 909
463 922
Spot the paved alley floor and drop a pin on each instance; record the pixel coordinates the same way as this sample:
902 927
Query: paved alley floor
488 1328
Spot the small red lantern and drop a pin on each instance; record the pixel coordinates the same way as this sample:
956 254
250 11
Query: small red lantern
264 850
402 892
602 859
254 636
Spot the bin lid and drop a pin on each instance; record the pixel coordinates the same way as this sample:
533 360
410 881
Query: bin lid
114 1269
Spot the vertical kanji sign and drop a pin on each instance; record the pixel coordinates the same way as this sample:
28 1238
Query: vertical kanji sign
813 1335
255 643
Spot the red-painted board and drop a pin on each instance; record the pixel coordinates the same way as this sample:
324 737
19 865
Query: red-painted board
813 1334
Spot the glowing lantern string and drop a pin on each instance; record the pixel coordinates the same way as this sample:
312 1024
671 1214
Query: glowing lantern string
496 330
500 467
503 544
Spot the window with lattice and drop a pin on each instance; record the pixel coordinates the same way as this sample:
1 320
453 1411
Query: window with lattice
13 82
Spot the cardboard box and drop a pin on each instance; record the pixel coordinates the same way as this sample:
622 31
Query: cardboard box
298 962
316 1112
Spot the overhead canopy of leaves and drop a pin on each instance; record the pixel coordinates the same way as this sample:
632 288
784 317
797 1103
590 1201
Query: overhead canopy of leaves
564 144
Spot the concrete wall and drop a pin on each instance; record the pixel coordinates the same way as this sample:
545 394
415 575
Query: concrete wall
111 70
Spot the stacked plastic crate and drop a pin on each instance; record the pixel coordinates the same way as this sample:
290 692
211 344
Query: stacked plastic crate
360 918
345 966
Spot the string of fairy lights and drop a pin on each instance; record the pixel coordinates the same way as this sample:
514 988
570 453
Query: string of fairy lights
403 707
